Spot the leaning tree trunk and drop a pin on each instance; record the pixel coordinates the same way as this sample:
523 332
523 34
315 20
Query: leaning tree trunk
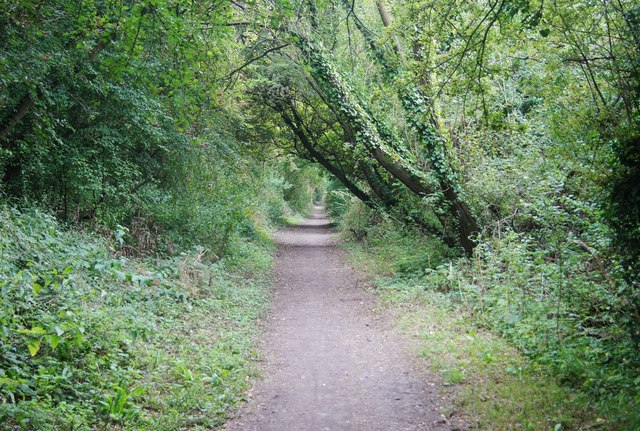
417 115
317 156
368 138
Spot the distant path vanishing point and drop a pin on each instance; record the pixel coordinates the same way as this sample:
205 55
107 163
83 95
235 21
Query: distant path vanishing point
330 363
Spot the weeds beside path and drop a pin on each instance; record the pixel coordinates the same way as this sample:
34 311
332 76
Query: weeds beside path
92 341
494 387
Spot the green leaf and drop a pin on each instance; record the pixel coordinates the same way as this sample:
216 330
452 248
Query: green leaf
37 287
137 391
38 330
35 330
34 347
121 400
54 340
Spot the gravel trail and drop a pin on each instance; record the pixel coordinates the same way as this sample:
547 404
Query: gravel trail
330 362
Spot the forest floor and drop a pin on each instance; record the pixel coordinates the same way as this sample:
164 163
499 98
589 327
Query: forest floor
332 360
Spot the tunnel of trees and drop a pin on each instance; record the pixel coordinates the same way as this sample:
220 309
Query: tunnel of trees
507 130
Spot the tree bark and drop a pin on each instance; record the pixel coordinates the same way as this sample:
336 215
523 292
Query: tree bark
372 178
20 112
427 128
386 21
378 185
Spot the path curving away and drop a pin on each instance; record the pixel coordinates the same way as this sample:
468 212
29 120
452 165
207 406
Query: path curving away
330 363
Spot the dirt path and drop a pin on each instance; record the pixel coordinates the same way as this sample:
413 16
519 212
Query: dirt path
331 364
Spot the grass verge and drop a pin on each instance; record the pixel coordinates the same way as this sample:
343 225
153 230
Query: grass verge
492 385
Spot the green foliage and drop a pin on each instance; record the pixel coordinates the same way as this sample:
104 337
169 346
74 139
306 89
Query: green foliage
492 384
112 116
625 203
338 200
123 125
90 340
553 302
306 185
187 130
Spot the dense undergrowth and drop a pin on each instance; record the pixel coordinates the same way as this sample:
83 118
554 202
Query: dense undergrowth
551 302
136 202
91 338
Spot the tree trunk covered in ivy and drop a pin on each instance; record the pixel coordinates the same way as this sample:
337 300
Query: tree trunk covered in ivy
418 116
